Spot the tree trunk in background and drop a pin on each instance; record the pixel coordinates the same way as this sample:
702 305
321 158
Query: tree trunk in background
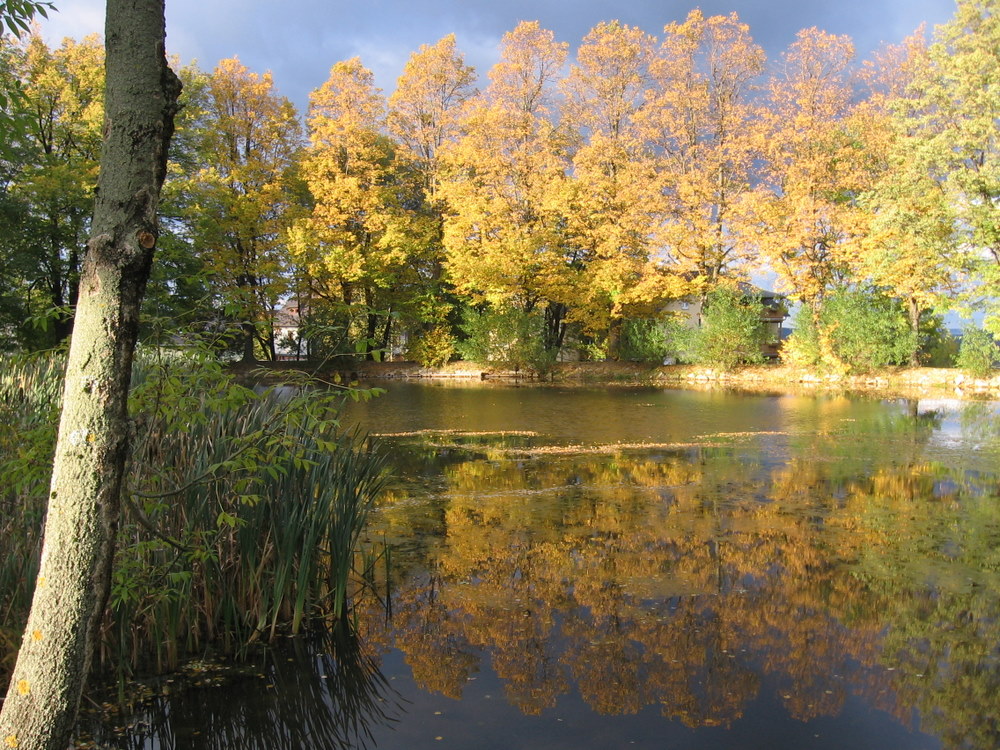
248 332
914 313
72 587
387 337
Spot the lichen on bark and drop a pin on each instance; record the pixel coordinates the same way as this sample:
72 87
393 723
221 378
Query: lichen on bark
74 574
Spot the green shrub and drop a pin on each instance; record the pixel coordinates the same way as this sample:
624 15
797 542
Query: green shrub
653 340
977 352
507 337
731 332
938 348
867 329
642 341
859 330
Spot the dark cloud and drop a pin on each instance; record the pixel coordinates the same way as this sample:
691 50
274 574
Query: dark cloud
385 32
298 40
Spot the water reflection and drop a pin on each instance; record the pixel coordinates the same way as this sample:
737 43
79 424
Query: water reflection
836 560
322 691
683 569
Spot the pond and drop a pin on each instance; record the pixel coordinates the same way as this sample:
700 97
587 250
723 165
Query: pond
650 568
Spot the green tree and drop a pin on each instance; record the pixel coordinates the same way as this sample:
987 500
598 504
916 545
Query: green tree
868 329
910 241
952 121
16 15
180 296
643 340
70 592
425 117
653 340
241 196
51 181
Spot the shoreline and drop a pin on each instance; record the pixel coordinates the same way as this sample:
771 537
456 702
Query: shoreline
906 382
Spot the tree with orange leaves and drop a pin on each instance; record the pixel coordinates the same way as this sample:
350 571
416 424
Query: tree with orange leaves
807 213
699 123
425 115
503 182
613 209
360 245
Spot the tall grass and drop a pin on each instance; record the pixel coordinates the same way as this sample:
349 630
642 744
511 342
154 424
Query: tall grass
242 514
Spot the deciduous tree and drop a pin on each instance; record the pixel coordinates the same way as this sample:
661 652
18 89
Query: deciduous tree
504 180
72 586
366 240
425 116
54 172
425 110
807 213
612 214
699 122
241 195
951 120
16 15
908 246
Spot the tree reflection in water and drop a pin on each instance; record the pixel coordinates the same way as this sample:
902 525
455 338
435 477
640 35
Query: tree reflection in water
839 561
844 554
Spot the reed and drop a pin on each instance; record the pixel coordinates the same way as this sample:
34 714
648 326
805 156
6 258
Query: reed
242 514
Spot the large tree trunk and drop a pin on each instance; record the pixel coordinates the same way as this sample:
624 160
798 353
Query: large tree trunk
72 586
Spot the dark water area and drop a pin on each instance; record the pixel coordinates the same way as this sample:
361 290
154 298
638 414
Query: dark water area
649 568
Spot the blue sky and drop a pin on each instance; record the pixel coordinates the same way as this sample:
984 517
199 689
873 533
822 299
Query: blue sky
299 40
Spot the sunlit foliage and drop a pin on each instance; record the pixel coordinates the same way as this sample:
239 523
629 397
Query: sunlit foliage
586 188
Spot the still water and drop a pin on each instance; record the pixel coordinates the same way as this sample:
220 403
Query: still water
648 568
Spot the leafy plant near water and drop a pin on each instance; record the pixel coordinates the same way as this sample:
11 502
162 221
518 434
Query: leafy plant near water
653 340
508 337
434 348
731 331
977 352
242 516
30 391
856 331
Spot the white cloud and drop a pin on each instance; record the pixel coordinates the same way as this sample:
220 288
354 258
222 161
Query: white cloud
77 20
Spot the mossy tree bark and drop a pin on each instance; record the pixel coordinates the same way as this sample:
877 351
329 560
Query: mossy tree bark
72 587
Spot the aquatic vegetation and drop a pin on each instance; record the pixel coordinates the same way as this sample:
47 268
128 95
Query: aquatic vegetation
242 512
